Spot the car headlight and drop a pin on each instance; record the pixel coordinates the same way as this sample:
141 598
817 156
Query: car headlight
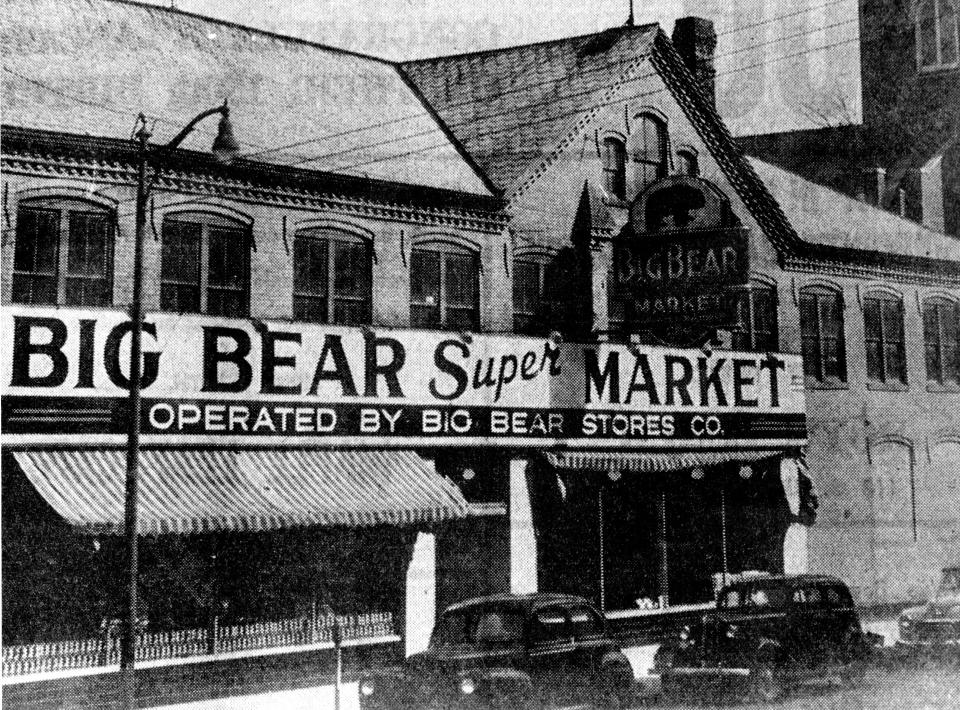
733 631
467 686
685 633
905 622
367 688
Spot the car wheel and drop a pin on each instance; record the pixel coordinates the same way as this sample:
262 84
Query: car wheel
851 675
765 684
615 688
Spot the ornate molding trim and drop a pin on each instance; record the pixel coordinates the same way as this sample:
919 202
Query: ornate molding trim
913 277
117 173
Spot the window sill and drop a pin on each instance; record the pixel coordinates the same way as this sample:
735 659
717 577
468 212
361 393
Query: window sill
938 70
943 389
875 386
813 384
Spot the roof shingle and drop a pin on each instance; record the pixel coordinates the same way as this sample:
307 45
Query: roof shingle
89 66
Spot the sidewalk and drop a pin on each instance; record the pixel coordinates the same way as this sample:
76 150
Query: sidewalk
318 698
881 620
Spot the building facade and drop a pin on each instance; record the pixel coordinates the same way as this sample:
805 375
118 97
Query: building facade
903 154
340 423
397 340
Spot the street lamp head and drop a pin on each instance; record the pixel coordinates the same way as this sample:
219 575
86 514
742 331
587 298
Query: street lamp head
225 147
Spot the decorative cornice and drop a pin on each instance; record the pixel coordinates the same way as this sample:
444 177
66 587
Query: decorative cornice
246 190
113 161
915 277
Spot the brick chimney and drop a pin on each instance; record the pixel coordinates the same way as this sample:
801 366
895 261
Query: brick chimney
931 194
695 39
873 186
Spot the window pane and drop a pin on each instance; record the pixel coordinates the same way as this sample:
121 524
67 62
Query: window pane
310 267
765 336
934 365
351 283
460 280
425 277
811 357
616 305
614 167
35 256
948 33
688 163
88 260
526 287
950 319
180 267
87 248
810 335
873 332
227 257
927 33
895 364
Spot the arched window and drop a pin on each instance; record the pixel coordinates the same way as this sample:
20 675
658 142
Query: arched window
651 150
205 265
941 337
332 277
444 287
530 275
615 167
687 163
883 336
757 315
63 253
821 335
938 38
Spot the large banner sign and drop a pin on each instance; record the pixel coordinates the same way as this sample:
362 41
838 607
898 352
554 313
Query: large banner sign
210 381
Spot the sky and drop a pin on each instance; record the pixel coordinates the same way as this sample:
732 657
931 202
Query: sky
782 64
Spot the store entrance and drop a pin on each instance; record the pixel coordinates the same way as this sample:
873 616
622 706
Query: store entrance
631 540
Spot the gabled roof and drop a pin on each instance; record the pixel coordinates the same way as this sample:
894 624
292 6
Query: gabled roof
829 218
510 107
89 67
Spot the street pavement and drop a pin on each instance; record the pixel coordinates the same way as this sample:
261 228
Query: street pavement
894 682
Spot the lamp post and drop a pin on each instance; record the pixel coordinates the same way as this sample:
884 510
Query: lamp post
224 150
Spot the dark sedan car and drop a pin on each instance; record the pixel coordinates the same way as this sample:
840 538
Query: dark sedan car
769 632
508 651
936 624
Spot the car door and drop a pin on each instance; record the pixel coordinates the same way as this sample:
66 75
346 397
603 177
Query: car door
550 655
810 620
590 642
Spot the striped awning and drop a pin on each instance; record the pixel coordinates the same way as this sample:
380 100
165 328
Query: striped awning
653 462
206 491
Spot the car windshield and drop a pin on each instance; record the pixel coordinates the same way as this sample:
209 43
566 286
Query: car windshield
478 626
949 589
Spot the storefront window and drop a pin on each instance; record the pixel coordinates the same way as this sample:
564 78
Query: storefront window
642 542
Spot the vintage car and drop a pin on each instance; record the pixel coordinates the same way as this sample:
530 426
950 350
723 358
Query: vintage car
508 651
767 633
935 624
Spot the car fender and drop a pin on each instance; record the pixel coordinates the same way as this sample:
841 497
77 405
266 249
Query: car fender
615 662
768 650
